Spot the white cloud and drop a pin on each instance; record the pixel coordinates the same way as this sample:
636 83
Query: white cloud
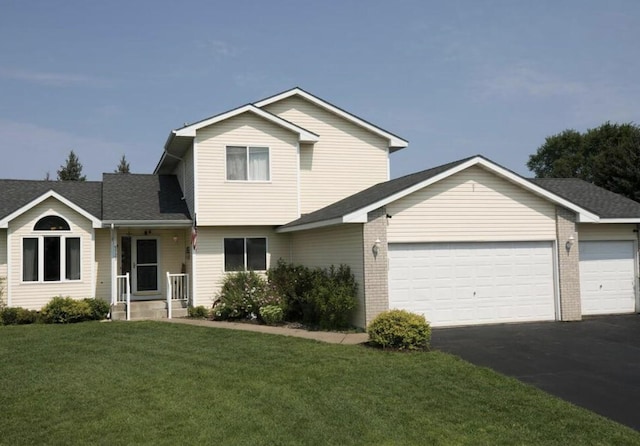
52 79
32 151
219 48
523 80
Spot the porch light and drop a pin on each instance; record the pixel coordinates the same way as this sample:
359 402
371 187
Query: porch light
175 239
570 243
376 247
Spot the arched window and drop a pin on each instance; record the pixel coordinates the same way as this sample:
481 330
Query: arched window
52 223
51 258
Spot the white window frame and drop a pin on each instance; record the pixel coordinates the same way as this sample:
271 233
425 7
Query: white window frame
247 159
41 260
266 253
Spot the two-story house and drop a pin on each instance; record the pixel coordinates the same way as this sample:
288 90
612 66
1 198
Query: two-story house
294 177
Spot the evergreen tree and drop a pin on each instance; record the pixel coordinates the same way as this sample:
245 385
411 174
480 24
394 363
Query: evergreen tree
123 167
71 170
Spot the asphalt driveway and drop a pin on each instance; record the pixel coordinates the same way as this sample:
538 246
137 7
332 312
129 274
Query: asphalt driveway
594 363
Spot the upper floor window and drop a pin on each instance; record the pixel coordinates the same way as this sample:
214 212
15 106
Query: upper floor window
247 163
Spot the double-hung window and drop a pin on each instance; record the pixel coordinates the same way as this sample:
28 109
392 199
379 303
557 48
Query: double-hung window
245 254
245 163
51 257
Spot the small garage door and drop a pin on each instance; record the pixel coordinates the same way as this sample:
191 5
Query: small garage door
607 279
473 283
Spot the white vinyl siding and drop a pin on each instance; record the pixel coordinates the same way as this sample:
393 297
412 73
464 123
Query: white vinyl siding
34 295
333 246
607 231
210 255
103 264
346 159
473 205
222 202
3 265
473 283
184 173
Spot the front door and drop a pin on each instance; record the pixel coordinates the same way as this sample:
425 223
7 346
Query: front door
145 265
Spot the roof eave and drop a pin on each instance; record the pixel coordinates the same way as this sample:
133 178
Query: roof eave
313 225
148 223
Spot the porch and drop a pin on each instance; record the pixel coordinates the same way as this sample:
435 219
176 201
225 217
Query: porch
174 304
150 272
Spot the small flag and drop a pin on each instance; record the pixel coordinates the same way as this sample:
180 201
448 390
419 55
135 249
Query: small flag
194 235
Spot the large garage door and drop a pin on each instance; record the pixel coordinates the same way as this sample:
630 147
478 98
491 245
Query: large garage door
607 279
473 283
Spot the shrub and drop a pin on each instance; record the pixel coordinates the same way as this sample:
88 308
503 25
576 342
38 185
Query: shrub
293 283
99 309
17 316
199 312
401 330
242 295
65 310
332 298
272 314
318 297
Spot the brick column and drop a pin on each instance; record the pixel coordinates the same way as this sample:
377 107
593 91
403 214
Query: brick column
568 266
376 275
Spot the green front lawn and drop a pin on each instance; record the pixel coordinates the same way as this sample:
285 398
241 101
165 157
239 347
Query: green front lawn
157 383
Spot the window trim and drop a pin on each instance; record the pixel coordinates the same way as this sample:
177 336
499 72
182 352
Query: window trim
40 236
247 148
244 239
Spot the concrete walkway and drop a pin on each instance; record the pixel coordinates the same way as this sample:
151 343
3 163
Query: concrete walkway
322 336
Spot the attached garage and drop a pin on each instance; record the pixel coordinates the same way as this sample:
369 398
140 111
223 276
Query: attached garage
473 283
607 277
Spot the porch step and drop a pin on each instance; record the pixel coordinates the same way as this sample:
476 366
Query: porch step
150 309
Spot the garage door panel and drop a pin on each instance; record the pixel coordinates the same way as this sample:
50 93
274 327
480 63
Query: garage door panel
607 277
474 283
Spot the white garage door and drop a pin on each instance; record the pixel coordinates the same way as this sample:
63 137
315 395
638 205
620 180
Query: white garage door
607 279
473 283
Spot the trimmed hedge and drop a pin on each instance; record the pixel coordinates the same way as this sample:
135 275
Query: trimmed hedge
65 310
401 330
18 316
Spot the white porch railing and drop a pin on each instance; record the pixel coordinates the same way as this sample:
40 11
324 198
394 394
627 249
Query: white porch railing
177 289
123 293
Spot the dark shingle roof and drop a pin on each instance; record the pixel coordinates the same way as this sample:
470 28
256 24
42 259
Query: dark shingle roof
136 197
15 194
604 203
371 195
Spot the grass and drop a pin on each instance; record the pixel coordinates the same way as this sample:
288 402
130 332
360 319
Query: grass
157 383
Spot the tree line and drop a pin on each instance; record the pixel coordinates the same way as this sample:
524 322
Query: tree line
71 170
607 156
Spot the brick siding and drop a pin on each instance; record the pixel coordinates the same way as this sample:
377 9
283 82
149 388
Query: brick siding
568 266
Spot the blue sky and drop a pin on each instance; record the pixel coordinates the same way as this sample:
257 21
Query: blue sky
455 78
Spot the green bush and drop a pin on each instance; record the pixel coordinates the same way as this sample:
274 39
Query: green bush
65 310
400 329
99 309
319 297
242 295
293 283
17 316
332 298
272 314
199 312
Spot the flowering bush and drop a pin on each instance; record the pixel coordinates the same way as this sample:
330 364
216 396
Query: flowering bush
242 295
